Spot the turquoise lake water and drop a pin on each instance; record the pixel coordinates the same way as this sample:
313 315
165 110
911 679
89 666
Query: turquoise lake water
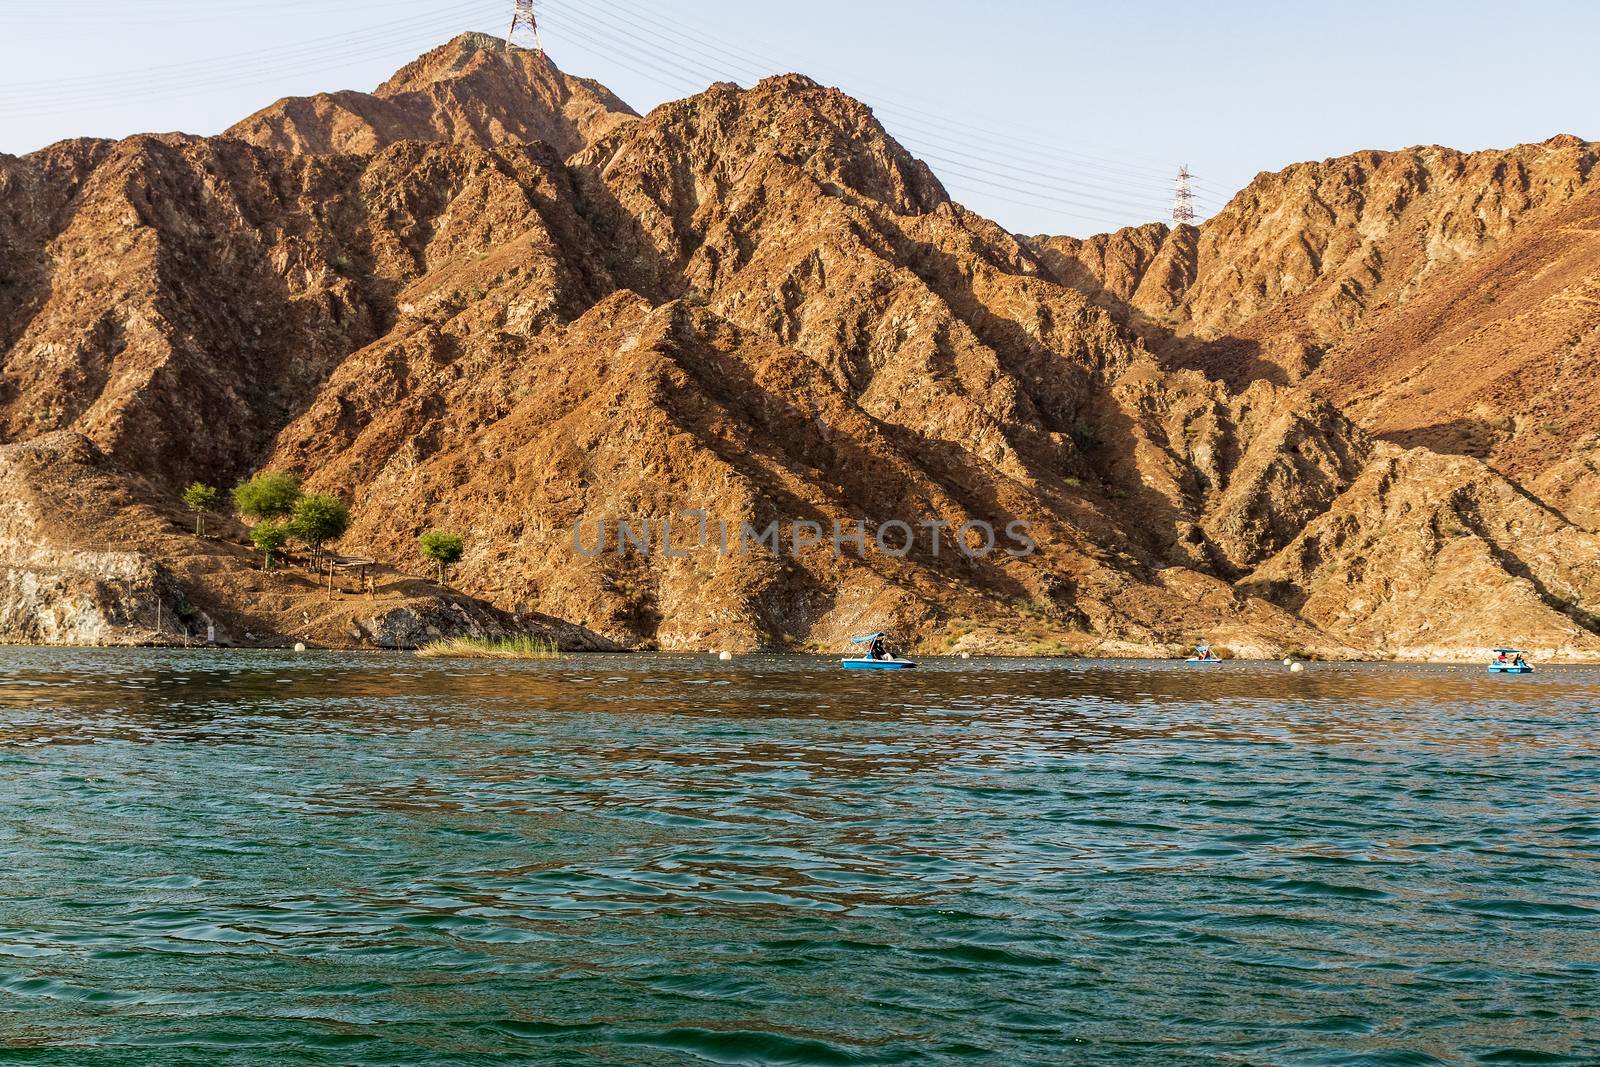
262 858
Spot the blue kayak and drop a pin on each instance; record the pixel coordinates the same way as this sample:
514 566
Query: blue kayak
1510 666
876 664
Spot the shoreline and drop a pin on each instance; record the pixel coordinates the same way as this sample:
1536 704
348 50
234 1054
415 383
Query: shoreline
1464 661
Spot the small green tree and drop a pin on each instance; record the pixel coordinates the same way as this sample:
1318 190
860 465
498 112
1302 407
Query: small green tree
443 547
319 518
269 537
202 500
267 496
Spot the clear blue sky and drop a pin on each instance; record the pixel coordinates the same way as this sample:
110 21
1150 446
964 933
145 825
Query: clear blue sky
1059 117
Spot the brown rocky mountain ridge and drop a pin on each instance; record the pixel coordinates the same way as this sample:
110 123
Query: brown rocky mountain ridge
1352 414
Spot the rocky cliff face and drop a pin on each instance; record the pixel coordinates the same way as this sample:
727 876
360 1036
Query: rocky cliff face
490 298
55 589
1425 553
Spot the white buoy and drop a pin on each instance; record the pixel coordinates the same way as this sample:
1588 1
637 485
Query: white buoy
1287 661
724 654
299 646
966 655
1297 667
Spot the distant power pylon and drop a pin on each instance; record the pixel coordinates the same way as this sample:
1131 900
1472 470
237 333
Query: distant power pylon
1183 212
524 23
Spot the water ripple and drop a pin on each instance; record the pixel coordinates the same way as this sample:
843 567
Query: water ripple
264 858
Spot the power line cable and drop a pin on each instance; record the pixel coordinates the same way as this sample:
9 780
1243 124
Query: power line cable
339 44
694 79
755 61
1154 193
601 53
957 178
1058 193
915 133
345 58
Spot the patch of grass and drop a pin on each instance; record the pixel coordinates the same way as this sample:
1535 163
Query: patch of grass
1031 609
491 648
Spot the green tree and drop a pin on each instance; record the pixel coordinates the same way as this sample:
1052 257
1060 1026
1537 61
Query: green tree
267 496
319 518
269 537
442 547
202 500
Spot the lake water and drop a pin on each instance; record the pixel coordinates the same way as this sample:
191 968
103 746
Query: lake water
260 858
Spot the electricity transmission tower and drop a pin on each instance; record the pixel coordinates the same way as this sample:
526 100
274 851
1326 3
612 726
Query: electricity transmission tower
524 32
1183 212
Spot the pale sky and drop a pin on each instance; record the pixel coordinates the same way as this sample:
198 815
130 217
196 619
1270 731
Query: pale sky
1050 117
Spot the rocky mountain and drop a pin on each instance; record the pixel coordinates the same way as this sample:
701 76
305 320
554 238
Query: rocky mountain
752 331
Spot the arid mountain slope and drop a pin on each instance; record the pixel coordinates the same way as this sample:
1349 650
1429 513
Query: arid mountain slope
1497 359
1441 298
1428 553
1302 256
489 298
184 297
1319 247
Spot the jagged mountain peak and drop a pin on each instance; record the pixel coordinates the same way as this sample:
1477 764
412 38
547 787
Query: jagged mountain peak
450 59
790 119
473 89
470 54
